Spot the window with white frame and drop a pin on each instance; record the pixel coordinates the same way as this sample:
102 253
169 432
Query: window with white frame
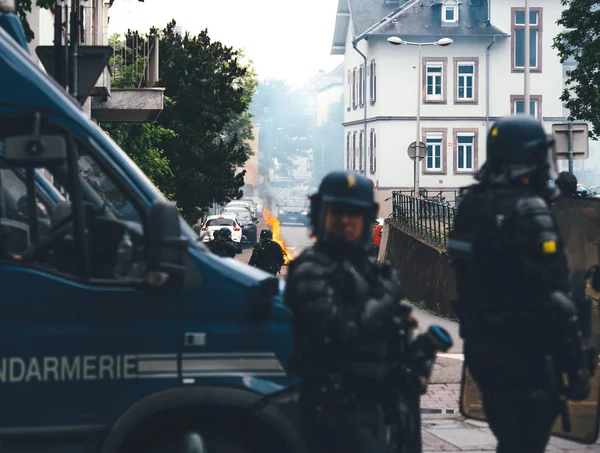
373 151
348 151
519 107
434 76
434 143
518 39
360 151
373 82
450 13
465 149
465 81
354 151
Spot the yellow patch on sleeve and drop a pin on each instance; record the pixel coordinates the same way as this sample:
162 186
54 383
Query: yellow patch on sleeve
549 247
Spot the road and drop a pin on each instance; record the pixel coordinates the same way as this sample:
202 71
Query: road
448 366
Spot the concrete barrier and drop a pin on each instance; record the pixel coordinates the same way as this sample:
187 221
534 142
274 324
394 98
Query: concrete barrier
423 270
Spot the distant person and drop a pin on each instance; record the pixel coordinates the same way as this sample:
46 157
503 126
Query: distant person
567 183
267 254
224 246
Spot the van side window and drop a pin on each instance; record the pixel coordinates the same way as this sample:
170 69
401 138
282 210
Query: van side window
42 235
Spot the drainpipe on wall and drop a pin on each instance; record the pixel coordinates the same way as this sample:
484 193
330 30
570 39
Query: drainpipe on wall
365 103
487 83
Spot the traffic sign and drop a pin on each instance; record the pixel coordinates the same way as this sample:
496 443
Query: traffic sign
580 141
372 183
412 150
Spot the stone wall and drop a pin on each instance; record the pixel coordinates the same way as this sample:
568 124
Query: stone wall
423 270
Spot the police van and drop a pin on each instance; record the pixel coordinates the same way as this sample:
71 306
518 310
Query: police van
120 331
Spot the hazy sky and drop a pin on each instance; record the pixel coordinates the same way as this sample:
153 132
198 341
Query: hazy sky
285 39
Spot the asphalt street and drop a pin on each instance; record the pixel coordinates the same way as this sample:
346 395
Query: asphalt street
448 366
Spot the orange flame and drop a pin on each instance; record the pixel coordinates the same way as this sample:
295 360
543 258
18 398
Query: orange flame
273 223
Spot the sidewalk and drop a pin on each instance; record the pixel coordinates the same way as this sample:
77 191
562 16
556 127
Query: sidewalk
456 434
441 399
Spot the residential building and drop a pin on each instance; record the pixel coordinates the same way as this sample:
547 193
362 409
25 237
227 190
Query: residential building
104 104
465 86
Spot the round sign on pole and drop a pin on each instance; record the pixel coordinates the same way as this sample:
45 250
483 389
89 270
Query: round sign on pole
412 150
372 183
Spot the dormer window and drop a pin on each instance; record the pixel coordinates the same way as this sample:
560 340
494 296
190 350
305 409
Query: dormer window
450 12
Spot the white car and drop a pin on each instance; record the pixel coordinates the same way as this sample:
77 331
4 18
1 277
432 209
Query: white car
216 222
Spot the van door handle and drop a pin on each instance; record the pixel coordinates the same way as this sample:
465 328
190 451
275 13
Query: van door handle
195 339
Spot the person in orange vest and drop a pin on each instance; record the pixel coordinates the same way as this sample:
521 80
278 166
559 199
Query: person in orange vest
377 234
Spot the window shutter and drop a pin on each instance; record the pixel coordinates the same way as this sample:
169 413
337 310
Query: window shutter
374 82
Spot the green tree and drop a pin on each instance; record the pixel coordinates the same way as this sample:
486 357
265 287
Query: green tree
24 7
211 87
285 129
581 42
204 124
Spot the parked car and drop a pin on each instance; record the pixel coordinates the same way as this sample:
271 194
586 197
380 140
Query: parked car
236 209
247 203
216 222
293 210
247 222
258 202
595 191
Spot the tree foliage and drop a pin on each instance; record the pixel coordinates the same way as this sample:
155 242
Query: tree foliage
285 128
211 88
581 42
198 142
24 7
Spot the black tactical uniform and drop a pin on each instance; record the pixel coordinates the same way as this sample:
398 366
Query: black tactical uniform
516 317
344 305
224 246
267 254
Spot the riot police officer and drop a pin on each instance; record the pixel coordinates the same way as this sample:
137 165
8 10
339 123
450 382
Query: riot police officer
344 306
224 246
267 254
567 183
519 324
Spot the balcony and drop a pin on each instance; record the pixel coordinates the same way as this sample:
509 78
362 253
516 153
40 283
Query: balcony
134 96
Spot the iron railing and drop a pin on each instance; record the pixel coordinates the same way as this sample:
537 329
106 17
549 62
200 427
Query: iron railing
448 197
427 219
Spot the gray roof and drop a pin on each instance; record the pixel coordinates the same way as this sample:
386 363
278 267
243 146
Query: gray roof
366 13
424 18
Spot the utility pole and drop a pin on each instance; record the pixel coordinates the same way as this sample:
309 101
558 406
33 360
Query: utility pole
74 49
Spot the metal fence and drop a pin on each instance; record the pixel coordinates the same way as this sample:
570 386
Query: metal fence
425 218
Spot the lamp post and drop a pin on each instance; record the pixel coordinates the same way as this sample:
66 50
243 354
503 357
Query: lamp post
396 41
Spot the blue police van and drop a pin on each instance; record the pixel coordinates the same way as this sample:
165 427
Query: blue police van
119 330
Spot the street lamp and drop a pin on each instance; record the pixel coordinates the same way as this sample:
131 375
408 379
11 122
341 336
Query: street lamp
396 41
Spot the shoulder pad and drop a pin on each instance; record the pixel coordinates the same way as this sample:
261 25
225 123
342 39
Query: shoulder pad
536 226
531 205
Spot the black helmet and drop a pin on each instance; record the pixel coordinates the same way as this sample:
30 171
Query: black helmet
343 188
567 183
225 232
266 234
216 234
518 146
